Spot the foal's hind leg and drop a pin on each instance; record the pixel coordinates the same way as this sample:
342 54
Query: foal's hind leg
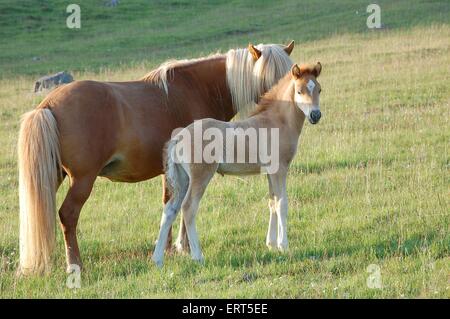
79 191
169 214
182 242
171 210
199 177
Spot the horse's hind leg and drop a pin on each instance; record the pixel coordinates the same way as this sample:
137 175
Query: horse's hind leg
78 193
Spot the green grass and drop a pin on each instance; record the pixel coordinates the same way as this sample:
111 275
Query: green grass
152 31
369 185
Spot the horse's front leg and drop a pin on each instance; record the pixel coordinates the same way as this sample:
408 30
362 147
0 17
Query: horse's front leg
278 181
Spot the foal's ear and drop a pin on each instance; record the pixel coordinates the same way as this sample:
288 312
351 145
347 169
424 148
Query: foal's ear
288 48
254 51
317 69
296 72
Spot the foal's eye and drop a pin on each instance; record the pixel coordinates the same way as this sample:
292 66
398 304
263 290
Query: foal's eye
320 90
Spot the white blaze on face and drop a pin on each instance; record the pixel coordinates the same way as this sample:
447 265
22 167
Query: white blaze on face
311 85
306 107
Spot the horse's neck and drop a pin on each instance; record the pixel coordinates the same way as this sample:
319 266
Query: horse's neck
210 75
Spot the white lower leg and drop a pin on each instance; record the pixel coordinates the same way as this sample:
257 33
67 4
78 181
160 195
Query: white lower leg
166 221
182 244
282 224
271 239
194 243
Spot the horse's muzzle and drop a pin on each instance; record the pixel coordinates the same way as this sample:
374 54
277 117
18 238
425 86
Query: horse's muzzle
315 116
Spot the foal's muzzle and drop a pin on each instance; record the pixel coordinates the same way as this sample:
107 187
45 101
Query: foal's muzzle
315 116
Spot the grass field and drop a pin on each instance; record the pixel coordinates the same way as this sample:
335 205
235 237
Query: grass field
370 183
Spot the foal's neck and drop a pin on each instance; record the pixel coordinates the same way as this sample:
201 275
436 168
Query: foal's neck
278 106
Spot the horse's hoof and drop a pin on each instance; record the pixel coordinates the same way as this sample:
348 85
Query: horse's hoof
283 248
271 246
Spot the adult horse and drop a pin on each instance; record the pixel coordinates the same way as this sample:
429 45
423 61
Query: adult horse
118 130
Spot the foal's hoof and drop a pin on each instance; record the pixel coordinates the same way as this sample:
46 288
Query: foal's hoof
283 248
271 246
199 260
158 263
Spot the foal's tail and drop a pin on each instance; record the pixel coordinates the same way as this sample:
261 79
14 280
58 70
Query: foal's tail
39 168
176 177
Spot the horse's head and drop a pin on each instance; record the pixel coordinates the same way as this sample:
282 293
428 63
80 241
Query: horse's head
271 63
253 71
307 90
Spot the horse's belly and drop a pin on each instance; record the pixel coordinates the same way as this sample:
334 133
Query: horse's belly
131 169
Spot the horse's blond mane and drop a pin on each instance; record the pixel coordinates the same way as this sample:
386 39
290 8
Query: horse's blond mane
246 79
163 73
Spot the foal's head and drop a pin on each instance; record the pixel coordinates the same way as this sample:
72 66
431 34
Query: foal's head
307 90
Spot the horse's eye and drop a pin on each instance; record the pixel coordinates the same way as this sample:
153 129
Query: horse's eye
320 90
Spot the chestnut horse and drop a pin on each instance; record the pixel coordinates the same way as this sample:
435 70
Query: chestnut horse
118 130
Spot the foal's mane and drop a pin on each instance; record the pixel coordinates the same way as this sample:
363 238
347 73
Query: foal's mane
276 93
246 79
269 99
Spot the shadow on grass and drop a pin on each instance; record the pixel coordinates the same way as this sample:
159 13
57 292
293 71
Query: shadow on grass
381 249
124 262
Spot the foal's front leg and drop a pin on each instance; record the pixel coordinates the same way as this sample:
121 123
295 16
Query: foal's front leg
278 182
271 239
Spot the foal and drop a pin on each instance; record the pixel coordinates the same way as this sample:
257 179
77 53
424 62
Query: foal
277 121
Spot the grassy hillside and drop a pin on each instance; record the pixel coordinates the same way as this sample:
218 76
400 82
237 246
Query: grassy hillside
369 185
34 38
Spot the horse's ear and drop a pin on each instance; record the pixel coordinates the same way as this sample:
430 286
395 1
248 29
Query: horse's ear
288 48
254 51
296 72
317 69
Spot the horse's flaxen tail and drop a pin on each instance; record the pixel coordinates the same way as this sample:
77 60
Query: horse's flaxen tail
39 169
